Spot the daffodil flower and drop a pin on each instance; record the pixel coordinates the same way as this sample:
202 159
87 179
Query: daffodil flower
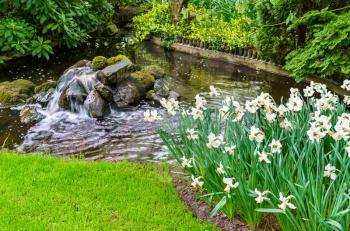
186 163
260 196
215 141
285 202
229 184
213 91
196 182
275 146
220 169
329 171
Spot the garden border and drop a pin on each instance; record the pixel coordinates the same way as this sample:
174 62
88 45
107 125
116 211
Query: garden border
241 56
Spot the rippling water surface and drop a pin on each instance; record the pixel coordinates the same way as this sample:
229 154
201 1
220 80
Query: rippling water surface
124 134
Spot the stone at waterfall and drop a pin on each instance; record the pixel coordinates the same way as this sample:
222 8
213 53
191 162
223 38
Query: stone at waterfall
104 91
162 87
173 95
43 98
72 94
16 92
98 107
80 63
127 93
30 114
115 73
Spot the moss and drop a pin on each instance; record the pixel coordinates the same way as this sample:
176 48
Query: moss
115 59
145 78
154 70
16 92
149 94
99 62
45 86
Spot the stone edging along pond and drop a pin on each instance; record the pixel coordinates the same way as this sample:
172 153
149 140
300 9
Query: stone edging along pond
244 57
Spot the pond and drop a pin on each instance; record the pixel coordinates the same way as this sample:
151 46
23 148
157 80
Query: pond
124 134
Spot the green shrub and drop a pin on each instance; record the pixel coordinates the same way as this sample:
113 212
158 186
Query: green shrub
327 53
290 160
99 62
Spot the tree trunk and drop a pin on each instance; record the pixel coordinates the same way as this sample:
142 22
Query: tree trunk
175 9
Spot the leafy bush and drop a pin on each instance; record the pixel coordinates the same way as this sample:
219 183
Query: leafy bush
30 26
291 160
327 53
197 24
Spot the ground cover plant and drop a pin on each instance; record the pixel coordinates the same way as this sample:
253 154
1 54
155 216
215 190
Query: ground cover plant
44 193
289 160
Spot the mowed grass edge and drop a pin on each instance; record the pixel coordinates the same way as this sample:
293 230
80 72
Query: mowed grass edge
44 193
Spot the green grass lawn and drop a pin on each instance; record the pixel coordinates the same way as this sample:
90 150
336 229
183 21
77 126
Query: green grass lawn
43 193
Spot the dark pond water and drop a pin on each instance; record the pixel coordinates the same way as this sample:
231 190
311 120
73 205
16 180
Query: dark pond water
124 134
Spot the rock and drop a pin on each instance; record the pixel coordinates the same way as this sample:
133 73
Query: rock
149 95
115 59
111 29
16 92
127 93
116 73
80 63
162 87
99 62
74 93
97 106
45 86
43 98
104 91
30 114
155 70
174 95
144 78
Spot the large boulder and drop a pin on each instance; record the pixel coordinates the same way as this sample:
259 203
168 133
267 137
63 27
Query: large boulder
155 70
45 86
115 73
97 106
145 79
162 87
30 114
115 59
127 93
16 92
43 98
104 91
72 95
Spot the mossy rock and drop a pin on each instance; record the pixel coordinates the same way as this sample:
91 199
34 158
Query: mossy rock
45 86
80 63
145 78
155 70
16 92
115 59
149 95
99 62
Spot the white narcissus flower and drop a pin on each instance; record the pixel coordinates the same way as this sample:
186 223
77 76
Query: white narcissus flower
275 146
264 156
229 183
215 141
230 149
220 169
346 99
150 116
316 134
271 117
171 105
196 182
256 134
200 102
191 134
346 84
260 196
329 171
309 91
252 106
239 114
285 124
186 163
224 111
213 91
295 104
285 202
281 110
196 113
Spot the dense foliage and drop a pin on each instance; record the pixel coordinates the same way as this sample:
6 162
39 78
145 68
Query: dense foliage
195 23
291 160
327 53
35 26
